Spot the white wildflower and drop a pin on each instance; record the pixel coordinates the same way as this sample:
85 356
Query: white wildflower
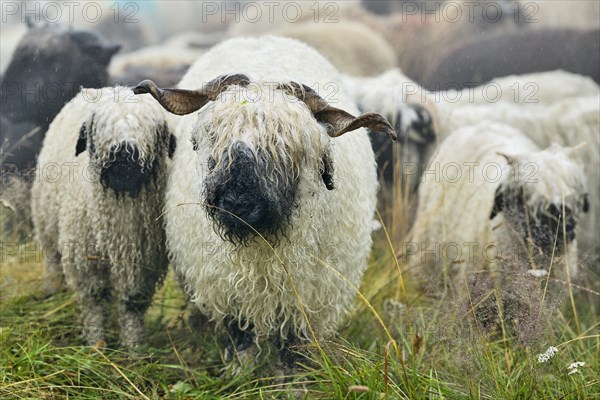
574 367
538 273
576 364
547 355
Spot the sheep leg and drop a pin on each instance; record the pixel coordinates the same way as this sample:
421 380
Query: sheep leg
241 349
131 318
197 321
54 280
87 275
290 355
95 305
291 358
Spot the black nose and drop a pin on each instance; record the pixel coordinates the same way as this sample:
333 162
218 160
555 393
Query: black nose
124 174
548 230
241 200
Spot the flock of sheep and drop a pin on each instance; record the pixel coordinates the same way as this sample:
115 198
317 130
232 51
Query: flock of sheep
248 163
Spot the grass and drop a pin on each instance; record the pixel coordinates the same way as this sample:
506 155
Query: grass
398 343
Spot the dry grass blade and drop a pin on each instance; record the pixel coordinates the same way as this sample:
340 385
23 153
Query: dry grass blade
116 368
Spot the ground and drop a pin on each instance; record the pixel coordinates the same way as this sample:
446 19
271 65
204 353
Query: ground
399 343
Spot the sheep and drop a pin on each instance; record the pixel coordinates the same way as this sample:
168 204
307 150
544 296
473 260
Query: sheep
48 67
513 53
411 112
501 201
269 217
424 31
539 97
262 17
101 178
535 89
568 123
383 7
165 64
417 36
50 64
351 47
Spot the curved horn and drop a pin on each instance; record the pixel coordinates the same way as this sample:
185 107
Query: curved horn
182 102
339 121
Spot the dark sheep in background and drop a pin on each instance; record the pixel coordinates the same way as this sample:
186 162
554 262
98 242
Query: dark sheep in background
383 7
424 30
50 64
516 53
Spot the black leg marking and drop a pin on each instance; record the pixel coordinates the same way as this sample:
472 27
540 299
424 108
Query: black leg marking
239 340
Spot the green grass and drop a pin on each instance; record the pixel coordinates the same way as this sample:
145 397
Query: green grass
398 343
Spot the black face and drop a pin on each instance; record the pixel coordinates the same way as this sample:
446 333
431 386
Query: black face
545 229
48 68
422 125
242 200
125 175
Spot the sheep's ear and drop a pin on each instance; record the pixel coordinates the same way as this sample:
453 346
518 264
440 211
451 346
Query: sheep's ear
337 121
92 44
182 102
164 133
327 170
172 145
82 140
84 132
498 203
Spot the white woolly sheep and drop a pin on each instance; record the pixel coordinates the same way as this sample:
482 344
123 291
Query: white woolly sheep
497 196
277 235
165 64
563 108
391 90
568 123
102 175
351 47
535 89
543 98
412 113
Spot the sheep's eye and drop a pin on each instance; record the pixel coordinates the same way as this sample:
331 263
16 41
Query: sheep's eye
194 144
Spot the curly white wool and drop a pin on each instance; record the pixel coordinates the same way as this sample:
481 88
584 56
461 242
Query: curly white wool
457 209
567 123
105 241
287 288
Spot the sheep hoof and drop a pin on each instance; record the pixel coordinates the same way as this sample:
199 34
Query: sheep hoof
284 377
242 361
